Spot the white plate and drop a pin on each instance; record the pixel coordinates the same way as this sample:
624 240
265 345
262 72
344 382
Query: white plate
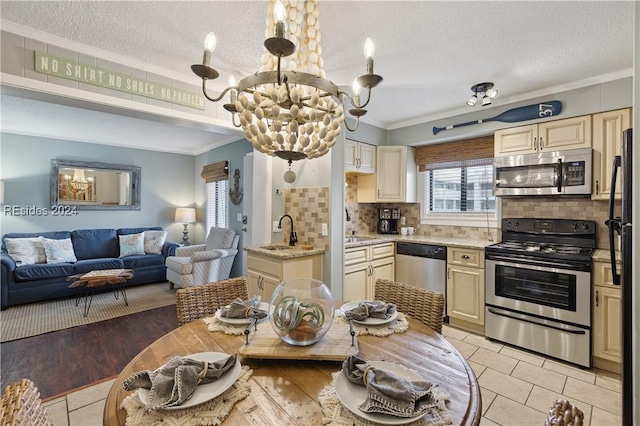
242 321
352 395
368 321
208 391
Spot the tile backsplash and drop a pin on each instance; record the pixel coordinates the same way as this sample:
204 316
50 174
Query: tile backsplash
364 216
309 208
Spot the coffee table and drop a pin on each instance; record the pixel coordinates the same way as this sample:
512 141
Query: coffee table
91 280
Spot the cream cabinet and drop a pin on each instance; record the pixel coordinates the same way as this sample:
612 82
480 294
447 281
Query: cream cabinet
465 285
570 133
607 142
607 314
359 157
265 273
363 266
395 180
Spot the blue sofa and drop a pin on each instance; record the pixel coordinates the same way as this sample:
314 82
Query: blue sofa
94 249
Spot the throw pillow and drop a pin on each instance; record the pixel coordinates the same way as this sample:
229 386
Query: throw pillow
26 251
153 241
132 244
58 251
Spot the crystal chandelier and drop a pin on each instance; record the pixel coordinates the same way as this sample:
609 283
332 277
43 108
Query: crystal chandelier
288 108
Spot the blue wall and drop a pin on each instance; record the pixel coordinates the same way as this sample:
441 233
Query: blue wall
233 153
25 165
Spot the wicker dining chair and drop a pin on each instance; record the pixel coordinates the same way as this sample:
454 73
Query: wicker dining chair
203 300
423 305
21 406
563 413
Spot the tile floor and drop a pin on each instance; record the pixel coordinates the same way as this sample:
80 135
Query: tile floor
518 388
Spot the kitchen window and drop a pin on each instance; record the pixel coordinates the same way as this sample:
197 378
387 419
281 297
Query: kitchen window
455 184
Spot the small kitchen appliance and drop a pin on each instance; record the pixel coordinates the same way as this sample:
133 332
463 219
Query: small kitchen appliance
388 220
546 173
538 287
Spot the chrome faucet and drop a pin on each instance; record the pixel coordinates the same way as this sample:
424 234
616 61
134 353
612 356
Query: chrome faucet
293 238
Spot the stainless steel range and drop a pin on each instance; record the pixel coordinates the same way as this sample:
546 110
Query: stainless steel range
538 287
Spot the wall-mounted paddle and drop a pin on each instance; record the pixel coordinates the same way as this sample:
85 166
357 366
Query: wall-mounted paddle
529 112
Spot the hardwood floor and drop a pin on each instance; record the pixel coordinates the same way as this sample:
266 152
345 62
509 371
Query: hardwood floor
70 359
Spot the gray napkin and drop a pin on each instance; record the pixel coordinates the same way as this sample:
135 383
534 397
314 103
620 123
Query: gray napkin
388 393
371 309
174 383
244 309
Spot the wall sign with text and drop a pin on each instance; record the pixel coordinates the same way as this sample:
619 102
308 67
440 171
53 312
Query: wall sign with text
72 70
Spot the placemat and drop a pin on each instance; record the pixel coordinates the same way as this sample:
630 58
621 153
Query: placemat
336 414
210 413
399 325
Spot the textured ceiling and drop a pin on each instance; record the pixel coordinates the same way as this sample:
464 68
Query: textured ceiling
429 53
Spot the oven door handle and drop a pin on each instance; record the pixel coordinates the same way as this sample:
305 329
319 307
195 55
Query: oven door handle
510 261
544 323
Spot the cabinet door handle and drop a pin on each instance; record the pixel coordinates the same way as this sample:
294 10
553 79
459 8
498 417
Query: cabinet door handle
448 273
597 187
535 144
464 256
541 144
597 298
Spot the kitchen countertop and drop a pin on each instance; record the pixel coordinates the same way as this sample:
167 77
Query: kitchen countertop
423 239
284 253
603 255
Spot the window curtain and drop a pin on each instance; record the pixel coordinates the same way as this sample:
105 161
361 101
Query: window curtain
215 172
468 152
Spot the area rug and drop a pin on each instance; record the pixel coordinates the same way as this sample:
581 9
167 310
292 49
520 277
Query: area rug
22 321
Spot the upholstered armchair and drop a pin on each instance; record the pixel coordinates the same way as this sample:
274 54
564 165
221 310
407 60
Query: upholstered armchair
204 263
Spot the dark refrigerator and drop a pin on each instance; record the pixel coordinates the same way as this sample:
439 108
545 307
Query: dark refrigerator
622 226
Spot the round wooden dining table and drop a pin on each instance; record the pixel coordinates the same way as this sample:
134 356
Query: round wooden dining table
285 392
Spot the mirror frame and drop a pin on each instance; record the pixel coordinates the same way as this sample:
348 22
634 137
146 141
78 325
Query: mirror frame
135 171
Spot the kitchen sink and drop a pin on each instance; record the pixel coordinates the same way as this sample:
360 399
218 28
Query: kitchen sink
356 239
276 247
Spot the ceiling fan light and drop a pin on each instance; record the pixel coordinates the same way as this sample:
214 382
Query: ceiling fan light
472 100
486 100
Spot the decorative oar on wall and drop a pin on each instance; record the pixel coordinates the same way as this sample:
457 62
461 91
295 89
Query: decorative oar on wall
529 112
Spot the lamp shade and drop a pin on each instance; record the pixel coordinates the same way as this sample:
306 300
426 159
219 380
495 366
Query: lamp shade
185 215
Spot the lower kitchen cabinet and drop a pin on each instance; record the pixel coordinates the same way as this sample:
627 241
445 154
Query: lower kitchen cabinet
465 287
607 319
363 266
265 273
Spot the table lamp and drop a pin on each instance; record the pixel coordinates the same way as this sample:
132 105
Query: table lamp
185 215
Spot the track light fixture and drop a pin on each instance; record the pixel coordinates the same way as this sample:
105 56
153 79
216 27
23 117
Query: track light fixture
485 90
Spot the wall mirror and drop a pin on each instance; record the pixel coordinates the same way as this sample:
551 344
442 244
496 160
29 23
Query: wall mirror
94 186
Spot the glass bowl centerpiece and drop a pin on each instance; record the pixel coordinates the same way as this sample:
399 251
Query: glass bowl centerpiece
301 311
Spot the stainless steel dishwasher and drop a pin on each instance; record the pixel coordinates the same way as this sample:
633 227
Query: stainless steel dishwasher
422 265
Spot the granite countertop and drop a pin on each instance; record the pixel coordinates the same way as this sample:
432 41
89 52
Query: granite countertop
423 239
284 252
603 255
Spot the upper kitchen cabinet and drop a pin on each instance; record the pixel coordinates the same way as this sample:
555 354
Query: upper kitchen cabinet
607 142
395 180
359 157
570 133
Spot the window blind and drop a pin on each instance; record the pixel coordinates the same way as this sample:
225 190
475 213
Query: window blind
469 152
461 189
217 204
215 171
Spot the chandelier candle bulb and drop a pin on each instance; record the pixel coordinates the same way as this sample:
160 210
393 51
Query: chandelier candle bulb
279 14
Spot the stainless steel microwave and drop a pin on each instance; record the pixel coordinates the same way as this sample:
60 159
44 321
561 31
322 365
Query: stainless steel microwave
547 173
